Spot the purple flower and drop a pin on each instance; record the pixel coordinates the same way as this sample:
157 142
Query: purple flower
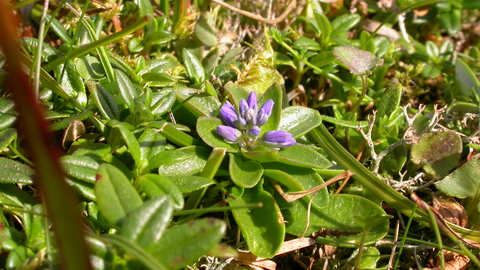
229 114
230 134
264 112
278 138
244 126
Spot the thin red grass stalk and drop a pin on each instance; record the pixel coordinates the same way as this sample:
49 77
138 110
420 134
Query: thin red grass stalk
59 199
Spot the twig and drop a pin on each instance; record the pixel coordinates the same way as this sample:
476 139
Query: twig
258 17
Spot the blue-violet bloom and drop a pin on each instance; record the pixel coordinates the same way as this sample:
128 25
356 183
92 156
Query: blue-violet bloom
244 126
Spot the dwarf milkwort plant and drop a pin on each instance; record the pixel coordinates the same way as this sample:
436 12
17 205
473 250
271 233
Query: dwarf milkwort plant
243 127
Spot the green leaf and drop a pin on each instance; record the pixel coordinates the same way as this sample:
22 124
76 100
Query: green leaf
130 140
188 183
59 29
176 136
116 197
194 67
7 113
145 225
452 21
15 172
263 228
6 137
298 179
34 225
432 50
370 257
323 25
156 185
158 79
244 173
344 23
322 59
199 103
466 79
235 92
390 100
80 167
184 244
304 43
184 161
151 143
125 88
133 250
274 93
205 30
262 154
206 128
71 82
289 120
144 7
340 215
438 152
463 182
105 102
359 62
430 71
12 196
303 156
89 67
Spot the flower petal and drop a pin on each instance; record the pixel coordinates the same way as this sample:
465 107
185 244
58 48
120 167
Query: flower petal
252 100
254 131
267 107
228 114
229 133
243 107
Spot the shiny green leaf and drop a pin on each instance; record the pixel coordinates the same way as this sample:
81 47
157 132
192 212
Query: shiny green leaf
466 79
344 23
156 185
116 196
263 228
15 172
194 67
303 156
289 120
338 214
183 161
206 128
244 173
186 243
105 102
145 225
199 103
298 179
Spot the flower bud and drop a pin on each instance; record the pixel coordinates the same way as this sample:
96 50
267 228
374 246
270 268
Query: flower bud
229 133
228 114
278 138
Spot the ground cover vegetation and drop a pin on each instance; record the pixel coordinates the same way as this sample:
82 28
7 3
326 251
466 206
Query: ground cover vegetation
291 134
